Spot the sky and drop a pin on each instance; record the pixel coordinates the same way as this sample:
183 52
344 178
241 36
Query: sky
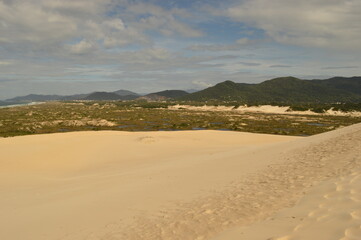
79 46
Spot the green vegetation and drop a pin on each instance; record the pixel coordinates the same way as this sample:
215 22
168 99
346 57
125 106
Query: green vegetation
171 93
286 90
320 108
54 117
99 96
164 95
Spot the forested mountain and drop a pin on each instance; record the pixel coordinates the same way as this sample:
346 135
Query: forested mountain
284 90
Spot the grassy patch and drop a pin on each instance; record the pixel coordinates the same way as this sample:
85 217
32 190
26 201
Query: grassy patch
54 117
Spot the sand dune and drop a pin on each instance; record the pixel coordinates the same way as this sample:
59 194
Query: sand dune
263 109
330 210
180 185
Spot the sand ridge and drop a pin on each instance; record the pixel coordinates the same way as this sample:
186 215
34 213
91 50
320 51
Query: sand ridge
75 185
330 210
259 195
263 109
178 185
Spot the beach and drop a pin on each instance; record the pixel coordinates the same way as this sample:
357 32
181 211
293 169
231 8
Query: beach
11 105
181 185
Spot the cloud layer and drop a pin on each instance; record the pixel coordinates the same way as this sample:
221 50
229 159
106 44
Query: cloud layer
315 23
74 46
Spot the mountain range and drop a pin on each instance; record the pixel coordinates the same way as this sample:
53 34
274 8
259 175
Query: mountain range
277 90
284 90
117 95
164 95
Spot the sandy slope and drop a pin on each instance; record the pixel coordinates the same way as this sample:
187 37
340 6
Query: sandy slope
263 109
330 210
171 185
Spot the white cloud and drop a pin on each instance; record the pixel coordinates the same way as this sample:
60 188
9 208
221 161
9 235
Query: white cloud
50 24
5 63
280 66
114 33
237 45
201 84
340 67
114 24
163 21
243 41
149 56
316 23
213 47
142 43
82 47
29 22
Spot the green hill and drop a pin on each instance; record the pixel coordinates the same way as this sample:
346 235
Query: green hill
117 95
35 98
284 90
352 84
103 96
164 95
123 92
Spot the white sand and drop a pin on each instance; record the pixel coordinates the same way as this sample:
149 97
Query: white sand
263 109
330 210
177 185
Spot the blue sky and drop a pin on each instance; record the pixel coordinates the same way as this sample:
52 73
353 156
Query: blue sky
79 46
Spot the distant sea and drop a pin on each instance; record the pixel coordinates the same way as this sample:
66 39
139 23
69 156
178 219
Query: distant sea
12 104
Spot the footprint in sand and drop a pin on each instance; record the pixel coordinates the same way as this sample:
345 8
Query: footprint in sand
355 178
355 198
353 233
356 214
208 211
146 139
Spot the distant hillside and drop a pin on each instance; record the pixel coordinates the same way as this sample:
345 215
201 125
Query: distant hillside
103 96
74 97
284 90
191 90
164 95
35 98
129 97
117 95
3 103
278 90
125 93
352 84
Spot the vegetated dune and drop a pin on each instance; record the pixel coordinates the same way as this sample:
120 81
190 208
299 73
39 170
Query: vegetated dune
263 109
180 185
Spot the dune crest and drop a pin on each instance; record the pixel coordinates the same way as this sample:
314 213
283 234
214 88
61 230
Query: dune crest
330 210
170 185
